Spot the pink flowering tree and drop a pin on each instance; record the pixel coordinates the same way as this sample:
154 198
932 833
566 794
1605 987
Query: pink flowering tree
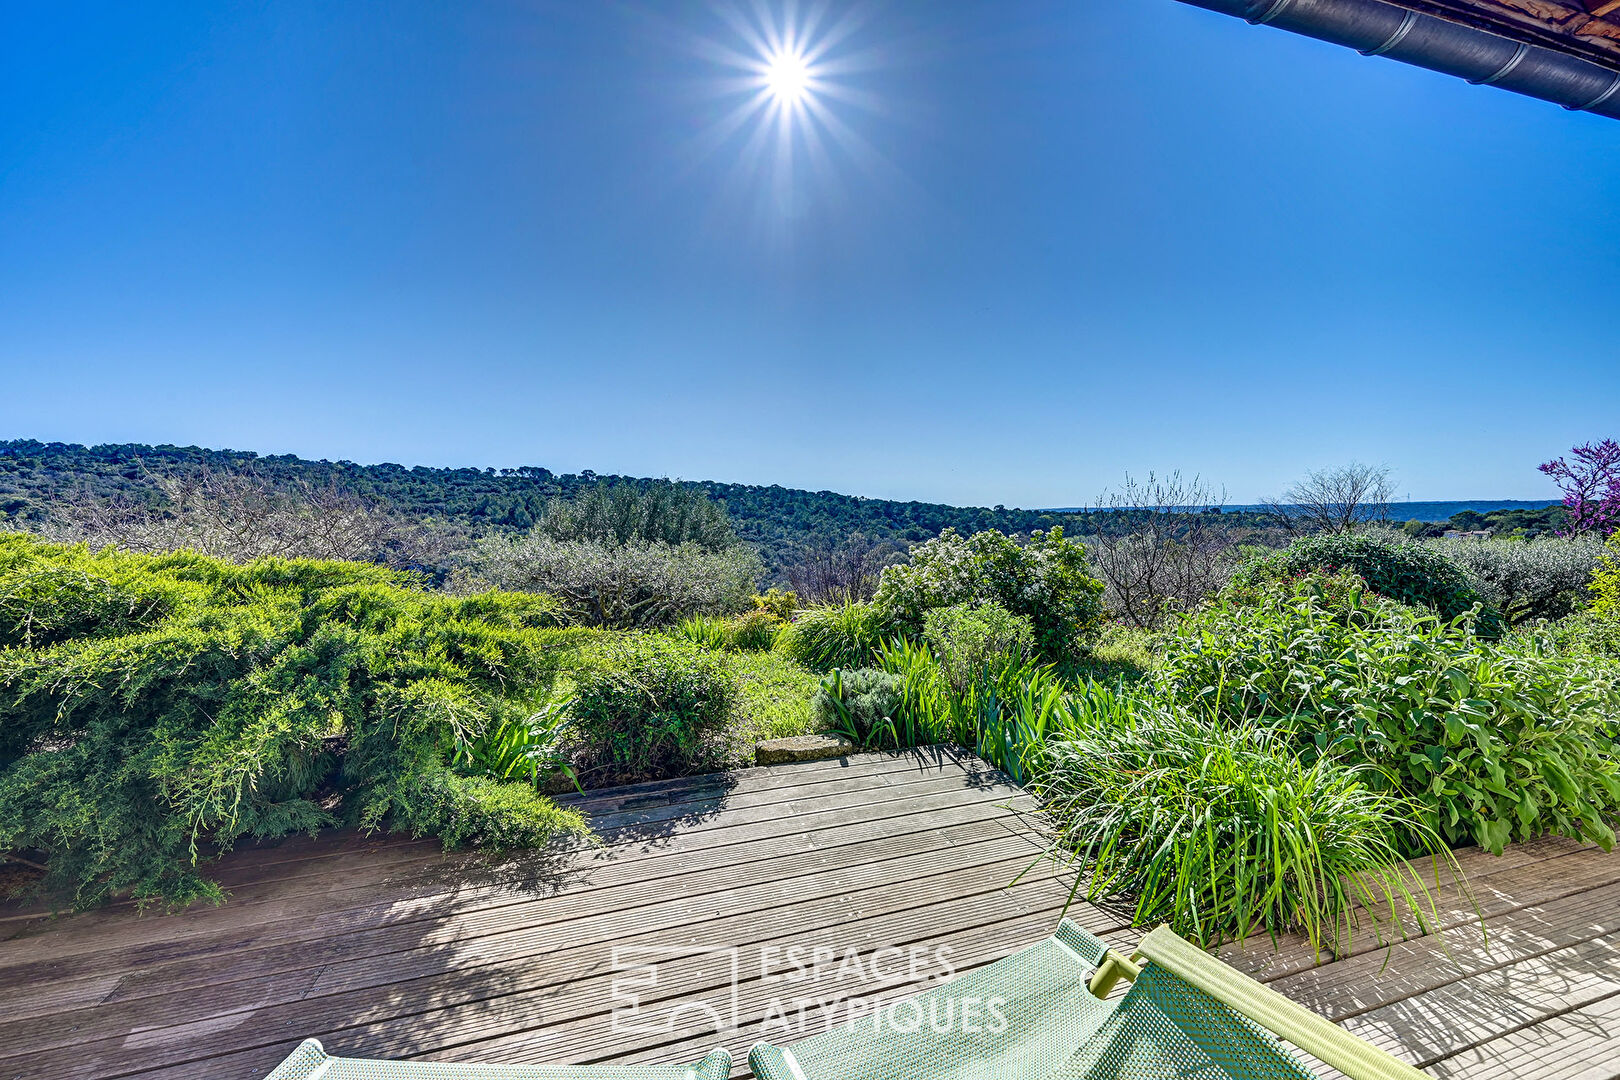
1590 480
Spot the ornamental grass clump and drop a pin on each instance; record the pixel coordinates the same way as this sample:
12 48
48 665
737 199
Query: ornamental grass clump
154 710
1225 832
846 635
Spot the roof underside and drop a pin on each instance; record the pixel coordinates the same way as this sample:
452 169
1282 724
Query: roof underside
1589 29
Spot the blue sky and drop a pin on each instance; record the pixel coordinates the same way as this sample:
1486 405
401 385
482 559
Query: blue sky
1042 244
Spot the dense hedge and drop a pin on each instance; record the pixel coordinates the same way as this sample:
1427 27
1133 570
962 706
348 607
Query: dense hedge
155 709
648 706
1407 572
1496 742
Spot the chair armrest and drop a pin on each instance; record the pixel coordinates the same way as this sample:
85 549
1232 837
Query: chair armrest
1278 1015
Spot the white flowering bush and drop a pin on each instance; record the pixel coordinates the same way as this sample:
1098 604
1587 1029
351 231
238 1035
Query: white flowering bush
1527 579
1045 579
629 586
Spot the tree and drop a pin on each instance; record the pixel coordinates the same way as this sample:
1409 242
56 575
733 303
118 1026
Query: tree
240 515
652 512
1167 551
1591 487
1340 499
834 573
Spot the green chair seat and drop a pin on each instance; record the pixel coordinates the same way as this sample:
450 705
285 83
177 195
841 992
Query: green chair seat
1049 1014
1186 1016
310 1061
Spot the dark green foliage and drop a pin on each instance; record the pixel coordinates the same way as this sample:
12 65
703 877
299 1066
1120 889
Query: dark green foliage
648 706
1523 522
860 705
1407 572
1495 742
779 521
1045 579
197 702
477 810
644 512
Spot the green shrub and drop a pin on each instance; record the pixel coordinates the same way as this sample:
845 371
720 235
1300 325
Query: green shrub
152 707
1224 832
1045 580
860 705
1526 579
1586 634
781 603
1494 742
630 586
464 810
969 640
1121 653
648 706
753 631
639 513
1404 571
836 636
1605 584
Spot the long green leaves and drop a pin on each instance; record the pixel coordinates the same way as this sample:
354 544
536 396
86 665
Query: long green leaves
530 750
1223 832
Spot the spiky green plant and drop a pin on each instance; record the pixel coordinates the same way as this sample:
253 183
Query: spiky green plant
1224 832
836 636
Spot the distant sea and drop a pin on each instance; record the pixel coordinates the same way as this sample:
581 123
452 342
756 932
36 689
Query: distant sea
1403 511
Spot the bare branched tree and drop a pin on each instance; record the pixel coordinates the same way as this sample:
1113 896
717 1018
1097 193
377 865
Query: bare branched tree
1162 546
241 515
831 572
1341 499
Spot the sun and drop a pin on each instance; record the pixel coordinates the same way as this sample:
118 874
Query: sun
788 89
787 76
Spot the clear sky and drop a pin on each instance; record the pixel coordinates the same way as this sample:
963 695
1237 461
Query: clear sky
1006 252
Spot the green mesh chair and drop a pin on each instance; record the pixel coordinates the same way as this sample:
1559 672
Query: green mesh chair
1186 1016
311 1062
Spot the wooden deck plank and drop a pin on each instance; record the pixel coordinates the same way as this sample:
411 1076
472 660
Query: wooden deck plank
1001 859
1487 892
277 863
1580 1045
385 946
1408 969
116 932
677 853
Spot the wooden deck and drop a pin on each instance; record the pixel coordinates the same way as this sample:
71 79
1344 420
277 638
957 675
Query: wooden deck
386 947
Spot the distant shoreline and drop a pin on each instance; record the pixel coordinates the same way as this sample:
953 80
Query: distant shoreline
1398 511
